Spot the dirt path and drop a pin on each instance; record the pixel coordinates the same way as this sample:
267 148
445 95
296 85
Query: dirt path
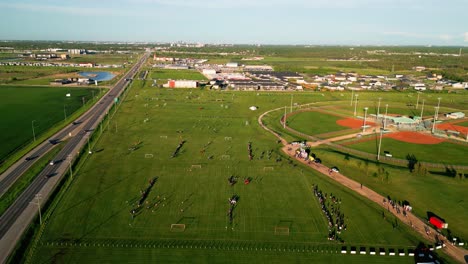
411 220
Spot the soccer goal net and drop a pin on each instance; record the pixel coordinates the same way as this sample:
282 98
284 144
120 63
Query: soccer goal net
178 227
228 138
148 156
165 137
226 157
195 166
282 230
268 169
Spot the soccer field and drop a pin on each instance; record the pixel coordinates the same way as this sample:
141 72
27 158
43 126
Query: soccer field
190 142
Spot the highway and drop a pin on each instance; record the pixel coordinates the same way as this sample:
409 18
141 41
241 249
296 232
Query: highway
19 215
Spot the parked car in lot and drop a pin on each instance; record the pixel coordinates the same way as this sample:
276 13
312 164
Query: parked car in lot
318 161
335 169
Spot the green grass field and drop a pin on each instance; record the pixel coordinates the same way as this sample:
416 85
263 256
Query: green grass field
452 153
216 128
314 123
166 74
46 105
465 124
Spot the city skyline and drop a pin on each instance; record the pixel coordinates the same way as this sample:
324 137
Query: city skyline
342 22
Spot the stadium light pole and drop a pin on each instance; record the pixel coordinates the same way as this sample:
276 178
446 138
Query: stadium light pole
435 119
422 109
380 144
34 134
355 105
378 108
291 102
417 100
284 119
352 97
365 115
385 117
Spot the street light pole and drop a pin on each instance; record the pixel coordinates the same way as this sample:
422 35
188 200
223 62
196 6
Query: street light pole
69 158
64 113
365 115
38 203
355 105
89 147
32 125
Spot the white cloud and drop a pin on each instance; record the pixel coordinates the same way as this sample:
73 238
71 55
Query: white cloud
465 36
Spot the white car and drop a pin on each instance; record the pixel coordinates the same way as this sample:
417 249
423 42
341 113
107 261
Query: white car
335 169
51 163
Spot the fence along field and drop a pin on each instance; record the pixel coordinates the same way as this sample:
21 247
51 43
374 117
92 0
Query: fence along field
192 189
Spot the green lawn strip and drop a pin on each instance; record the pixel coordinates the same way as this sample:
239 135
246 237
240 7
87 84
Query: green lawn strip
23 182
435 192
49 120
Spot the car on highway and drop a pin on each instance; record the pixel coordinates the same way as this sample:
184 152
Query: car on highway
51 163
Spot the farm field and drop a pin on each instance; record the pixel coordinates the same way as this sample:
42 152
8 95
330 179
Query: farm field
190 142
36 75
166 74
450 153
46 106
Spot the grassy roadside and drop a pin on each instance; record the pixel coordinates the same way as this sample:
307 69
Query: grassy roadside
23 182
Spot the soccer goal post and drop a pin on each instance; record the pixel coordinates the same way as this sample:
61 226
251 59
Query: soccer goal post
165 137
268 169
177 227
196 166
148 156
282 230
225 157
228 138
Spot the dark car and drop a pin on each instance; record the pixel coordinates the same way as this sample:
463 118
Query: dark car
318 161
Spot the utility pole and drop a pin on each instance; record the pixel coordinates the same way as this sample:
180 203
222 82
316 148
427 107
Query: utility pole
34 134
365 115
38 203
355 105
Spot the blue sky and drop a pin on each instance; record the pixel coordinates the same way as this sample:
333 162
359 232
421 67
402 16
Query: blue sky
348 22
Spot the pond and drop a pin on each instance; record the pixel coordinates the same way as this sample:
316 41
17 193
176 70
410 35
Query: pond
98 76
